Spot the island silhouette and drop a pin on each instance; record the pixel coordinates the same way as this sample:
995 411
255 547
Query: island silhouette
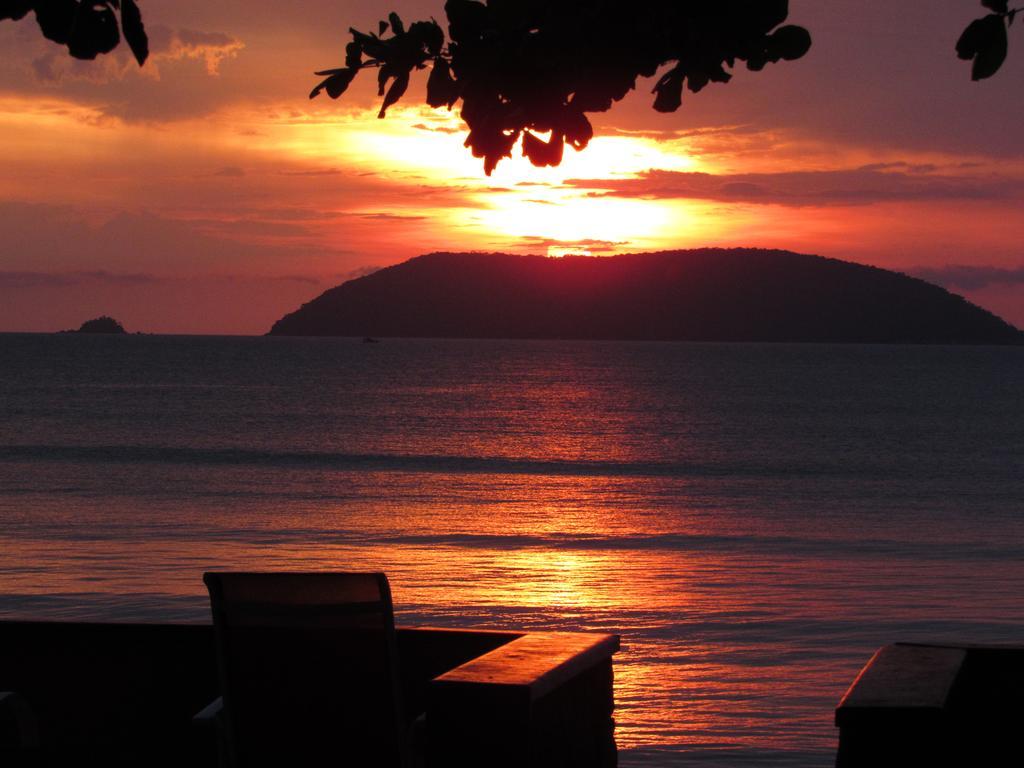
710 294
102 324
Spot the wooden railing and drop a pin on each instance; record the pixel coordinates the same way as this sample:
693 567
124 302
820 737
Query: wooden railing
544 699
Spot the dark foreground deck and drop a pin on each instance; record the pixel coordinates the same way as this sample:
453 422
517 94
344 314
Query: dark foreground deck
125 694
928 705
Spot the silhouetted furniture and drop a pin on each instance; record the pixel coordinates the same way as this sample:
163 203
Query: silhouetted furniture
308 669
121 695
543 700
925 705
116 695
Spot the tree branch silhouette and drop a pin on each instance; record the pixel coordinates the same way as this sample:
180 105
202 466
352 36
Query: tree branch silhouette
986 40
534 68
87 27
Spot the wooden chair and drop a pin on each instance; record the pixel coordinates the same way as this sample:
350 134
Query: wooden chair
308 670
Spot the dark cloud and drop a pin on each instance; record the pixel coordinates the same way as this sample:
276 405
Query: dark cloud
26 279
59 239
902 166
19 280
970 277
52 66
181 79
230 171
286 214
54 279
303 279
881 183
251 227
313 172
391 216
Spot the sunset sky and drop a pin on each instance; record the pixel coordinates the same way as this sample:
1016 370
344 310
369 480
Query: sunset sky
204 193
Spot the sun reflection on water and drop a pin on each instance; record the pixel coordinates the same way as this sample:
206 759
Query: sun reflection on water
638 489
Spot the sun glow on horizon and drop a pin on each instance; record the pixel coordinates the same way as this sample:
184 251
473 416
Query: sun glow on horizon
520 201
402 185
561 251
571 218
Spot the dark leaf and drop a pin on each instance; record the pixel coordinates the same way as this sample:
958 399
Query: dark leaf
696 81
429 35
396 24
94 31
384 74
372 46
15 9
353 55
592 98
467 19
970 40
998 6
543 153
717 74
669 91
789 42
492 145
134 31
765 15
442 88
382 27
756 61
991 57
56 18
336 84
395 92
576 127
985 41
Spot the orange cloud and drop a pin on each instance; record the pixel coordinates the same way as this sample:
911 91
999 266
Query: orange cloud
167 45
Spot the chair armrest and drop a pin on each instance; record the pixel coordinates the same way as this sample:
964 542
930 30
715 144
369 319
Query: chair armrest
210 715
18 721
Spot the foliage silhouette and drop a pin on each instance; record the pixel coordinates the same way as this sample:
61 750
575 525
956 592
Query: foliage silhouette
87 27
985 40
531 67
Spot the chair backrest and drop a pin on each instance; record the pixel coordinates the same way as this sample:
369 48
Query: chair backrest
308 669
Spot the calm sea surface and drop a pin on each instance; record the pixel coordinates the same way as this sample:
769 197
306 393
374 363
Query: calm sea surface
754 520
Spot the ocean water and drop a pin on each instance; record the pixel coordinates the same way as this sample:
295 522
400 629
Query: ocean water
754 520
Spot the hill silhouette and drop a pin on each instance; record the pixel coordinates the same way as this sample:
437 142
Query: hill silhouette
103 324
696 295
